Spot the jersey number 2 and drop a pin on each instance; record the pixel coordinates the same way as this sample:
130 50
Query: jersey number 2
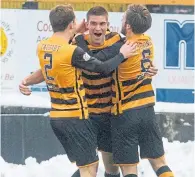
48 56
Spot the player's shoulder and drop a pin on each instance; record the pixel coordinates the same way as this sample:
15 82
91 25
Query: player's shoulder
80 38
68 49
144 42
110 35
71 47
148 40
146 37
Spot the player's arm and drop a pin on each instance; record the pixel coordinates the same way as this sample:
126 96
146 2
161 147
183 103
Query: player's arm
83 60
105 53
113 50
109 52
152 70
34 78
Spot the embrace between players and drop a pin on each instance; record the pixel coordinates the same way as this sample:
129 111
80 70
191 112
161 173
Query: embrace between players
101 92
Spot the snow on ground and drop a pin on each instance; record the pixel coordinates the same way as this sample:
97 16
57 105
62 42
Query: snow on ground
41 99
180 157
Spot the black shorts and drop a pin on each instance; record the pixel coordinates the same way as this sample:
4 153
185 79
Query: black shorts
78 138
133 129
103 128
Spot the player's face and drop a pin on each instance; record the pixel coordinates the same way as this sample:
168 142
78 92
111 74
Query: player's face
123 29
97 26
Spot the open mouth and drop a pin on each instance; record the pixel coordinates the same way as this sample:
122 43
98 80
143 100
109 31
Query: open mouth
97 34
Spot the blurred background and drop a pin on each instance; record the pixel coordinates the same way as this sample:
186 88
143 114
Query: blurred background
160 6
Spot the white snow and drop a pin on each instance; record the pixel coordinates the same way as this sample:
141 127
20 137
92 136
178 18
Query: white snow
41 99
187 124
180 157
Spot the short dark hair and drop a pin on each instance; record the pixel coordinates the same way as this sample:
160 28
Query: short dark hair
61 16
139 18
97 11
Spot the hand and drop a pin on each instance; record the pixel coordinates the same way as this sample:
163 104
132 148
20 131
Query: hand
25 90
128 49
152 71
81 27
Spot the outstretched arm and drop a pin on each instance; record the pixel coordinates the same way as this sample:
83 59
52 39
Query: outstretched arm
83 60
105 53
34 78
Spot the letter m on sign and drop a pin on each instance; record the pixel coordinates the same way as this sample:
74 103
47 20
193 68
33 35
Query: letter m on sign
179 44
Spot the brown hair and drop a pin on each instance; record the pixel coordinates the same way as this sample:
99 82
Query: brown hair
97 11
139 18
61 16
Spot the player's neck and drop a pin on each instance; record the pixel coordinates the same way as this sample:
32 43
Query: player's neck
132 35
63 35
96 44
129 35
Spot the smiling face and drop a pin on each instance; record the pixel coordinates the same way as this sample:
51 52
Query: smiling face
97 26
